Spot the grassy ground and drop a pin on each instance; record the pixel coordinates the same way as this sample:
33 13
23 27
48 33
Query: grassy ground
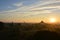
24 31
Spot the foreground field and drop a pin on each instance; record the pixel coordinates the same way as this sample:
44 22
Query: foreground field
29 31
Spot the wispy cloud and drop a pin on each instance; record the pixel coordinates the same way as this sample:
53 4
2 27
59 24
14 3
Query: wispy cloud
40 7
18 4
36 6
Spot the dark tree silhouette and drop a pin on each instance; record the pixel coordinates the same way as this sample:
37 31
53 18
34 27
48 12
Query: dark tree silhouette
1 25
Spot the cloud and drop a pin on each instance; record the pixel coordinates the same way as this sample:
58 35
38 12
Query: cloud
9 6
36 8
18 4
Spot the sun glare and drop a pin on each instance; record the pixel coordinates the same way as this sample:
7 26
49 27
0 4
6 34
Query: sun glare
52 20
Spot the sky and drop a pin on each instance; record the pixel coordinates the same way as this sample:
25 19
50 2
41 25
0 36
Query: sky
29 10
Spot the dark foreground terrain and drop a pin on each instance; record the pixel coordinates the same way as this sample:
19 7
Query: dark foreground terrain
29 31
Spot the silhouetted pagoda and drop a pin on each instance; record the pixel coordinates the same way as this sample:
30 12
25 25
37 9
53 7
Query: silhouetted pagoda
42 22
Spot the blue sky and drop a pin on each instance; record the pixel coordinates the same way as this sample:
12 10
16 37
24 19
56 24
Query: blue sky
23 10
8 4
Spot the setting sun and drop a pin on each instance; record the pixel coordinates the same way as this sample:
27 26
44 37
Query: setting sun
52 20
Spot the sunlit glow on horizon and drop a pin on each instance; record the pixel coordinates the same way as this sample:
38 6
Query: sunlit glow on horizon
52 20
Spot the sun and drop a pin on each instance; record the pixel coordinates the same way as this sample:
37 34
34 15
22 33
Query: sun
52 20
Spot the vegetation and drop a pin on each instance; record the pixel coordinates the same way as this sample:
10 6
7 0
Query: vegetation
29 31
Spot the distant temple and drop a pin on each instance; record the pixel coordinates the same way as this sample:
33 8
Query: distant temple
42 22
